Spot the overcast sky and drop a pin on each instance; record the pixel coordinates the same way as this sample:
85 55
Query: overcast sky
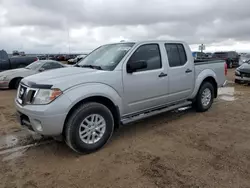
51 25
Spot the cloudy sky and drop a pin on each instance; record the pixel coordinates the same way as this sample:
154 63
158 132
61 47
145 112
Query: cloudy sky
46 26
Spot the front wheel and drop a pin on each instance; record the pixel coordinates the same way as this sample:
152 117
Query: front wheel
205 97
17 82
89 127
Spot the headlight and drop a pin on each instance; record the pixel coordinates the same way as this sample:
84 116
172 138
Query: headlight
46 96
237 72
3 78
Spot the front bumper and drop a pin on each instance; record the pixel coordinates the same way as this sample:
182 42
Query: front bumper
44 119
242 79
4 84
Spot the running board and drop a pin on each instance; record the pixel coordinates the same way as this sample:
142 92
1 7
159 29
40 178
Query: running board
155 112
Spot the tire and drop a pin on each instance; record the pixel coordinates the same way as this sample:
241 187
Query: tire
200 106
84 113
236 81
16 83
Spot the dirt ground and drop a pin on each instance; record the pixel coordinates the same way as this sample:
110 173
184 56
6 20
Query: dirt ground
175 149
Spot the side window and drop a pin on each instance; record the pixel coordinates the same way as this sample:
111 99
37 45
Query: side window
182 53
55 65
235 55
51 65
176 55
46 66
149 53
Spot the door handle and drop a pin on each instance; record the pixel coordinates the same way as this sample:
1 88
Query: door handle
188 71
163 75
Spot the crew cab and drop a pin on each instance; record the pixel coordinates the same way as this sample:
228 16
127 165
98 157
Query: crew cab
114 85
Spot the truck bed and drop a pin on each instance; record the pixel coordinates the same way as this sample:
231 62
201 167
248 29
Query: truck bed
211 66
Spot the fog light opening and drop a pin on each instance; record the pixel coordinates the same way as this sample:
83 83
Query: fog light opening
38 125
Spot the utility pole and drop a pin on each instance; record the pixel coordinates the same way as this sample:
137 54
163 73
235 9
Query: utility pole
68 39
202 47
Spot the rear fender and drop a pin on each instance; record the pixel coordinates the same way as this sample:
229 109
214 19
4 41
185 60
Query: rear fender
200 78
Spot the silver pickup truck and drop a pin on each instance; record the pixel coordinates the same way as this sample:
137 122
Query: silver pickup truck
114 85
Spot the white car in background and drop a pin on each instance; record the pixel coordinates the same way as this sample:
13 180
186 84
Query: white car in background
244 58
77 59
11 78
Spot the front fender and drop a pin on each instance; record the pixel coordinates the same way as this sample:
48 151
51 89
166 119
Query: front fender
81 92
200 78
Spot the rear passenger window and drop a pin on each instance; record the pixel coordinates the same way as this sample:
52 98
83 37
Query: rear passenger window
149 53
176 55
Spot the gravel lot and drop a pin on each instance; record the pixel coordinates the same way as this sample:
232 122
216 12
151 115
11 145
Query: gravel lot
175 149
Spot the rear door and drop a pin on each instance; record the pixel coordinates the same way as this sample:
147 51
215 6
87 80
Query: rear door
181 72
147 87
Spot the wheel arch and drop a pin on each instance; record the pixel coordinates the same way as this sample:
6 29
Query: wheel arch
13 80
211 80
99 99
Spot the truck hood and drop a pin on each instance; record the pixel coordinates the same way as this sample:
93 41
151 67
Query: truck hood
66 77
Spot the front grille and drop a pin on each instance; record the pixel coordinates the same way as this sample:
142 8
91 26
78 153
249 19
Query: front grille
243 74
25 95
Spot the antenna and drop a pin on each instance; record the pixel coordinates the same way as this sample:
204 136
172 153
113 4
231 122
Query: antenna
68 39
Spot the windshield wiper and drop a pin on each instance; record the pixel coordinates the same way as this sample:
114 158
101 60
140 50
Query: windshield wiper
92 67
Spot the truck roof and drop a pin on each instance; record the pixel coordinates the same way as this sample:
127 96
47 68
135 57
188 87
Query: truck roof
148 41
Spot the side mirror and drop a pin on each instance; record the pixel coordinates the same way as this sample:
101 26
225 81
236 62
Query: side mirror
133 66
41 69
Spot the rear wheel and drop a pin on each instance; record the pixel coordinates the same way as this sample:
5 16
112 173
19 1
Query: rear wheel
17 82
205 97
89 127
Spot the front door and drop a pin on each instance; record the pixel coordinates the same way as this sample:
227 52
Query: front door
145 88
181 72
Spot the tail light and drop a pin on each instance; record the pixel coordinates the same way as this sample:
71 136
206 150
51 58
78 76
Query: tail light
225 68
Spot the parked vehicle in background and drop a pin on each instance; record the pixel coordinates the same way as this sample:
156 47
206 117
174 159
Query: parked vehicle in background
60 58
209 55
244 58
52 57
11 78
77 59
70 56
242 73
231 57
15 53
115 85
14 62
199 55
42 57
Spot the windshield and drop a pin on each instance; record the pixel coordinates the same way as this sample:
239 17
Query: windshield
247 56
34 66
106 57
